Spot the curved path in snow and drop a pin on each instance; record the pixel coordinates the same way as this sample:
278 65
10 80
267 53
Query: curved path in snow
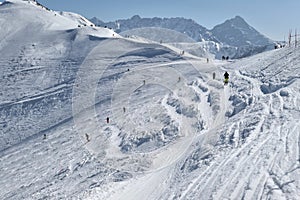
261 167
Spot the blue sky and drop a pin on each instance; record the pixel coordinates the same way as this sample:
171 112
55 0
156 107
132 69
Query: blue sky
273 18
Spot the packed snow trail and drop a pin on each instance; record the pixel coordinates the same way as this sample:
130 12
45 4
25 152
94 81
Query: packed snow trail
254 154
164 160
253 162
90 110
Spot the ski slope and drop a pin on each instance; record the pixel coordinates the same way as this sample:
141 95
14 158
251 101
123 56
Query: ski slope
174 131
249 148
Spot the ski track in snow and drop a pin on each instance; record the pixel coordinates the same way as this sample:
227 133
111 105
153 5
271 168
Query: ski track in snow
254 161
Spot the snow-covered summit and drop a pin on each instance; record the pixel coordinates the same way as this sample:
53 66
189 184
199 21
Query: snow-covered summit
237 32
28 13
24 13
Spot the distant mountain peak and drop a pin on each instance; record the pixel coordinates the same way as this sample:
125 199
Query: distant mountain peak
237 21
238 18
136 17
237 32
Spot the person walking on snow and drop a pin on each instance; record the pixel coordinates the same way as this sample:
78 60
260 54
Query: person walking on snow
87 137
226 78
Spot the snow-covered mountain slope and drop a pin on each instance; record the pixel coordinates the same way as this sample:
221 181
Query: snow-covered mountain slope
174 131
241 143
40 55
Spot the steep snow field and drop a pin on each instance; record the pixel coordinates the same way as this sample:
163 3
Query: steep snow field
174 132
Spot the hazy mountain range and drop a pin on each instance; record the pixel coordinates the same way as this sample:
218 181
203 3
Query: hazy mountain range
235 37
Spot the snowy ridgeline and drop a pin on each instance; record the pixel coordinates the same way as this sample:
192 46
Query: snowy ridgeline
173 131
234 38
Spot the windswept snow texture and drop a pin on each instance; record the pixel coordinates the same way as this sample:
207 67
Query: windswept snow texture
174 131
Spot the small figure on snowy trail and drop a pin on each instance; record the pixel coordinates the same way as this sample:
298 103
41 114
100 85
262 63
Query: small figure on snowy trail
87 137
124 109
214 75
226 78
107 120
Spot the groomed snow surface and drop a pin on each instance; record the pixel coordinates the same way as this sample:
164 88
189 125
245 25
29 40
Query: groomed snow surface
174 131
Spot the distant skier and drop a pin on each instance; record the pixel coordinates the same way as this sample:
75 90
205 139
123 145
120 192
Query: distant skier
226 78
107 120
87 137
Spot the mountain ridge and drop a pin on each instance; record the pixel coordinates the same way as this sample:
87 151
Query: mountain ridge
235 37
180 24
138 22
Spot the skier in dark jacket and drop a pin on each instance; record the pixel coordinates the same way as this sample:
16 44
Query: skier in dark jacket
226 78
